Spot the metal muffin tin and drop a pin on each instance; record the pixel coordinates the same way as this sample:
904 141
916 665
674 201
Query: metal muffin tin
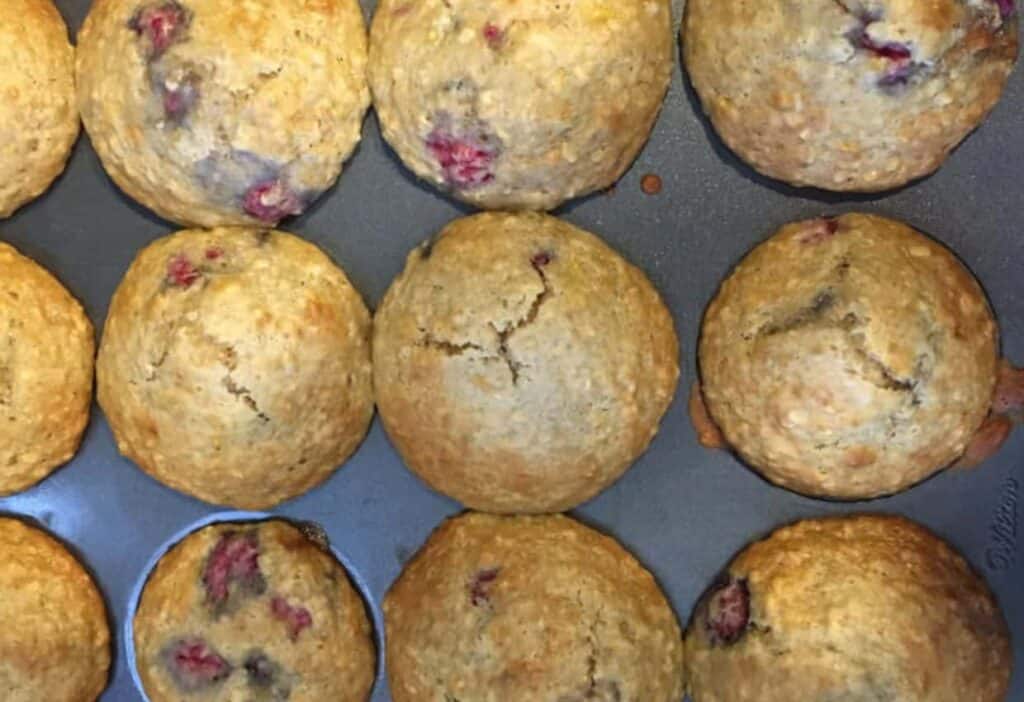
682 510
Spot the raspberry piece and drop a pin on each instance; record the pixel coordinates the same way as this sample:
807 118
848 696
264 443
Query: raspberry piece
541 259
1006 8
493 35
297 618
181 272
180 98
194 665
479 586
161 24
213 253
728 611
271 200
466 161
891 50
235 559
819 230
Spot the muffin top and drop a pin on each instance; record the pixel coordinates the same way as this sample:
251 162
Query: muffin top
520 364
46 365
38 115
849 357
519 104
217 112
859 608
529 608
55 642
235 365
252 611
848 94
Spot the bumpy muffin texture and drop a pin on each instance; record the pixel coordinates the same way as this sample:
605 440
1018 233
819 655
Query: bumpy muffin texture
252 611
46 364
519 104
235 365
55 641
38 115
848 94
849 357
852 609
216 112
522 609
520 364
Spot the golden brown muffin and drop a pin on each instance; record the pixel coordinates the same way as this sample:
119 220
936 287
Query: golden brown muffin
235 365
850 609
848 94
519 104
520 364
849 357
218 112
55 641
252 611
38 115
46 364
523 609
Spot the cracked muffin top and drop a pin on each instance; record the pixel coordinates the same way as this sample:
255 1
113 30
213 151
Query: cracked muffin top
255 611
218 112
520 364
849 357
38 115
519 104
860 95
55 642
520 609
859 608
235 365
46 365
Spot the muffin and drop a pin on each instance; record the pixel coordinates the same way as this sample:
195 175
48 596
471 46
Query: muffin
520 364
215 112
252 611
520 609
857 608
848 94
519 104
235 365
849 357
46 363
38 116
55 642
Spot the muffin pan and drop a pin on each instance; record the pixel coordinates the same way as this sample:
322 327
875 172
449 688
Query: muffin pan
682 510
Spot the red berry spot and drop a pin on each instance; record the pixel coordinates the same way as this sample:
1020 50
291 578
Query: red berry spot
181 272
178 100
479 586
161 24
466 162
271 200
819 230
235 559
728 612
494 36
1006 8
541 259
194 665
213 253
297 618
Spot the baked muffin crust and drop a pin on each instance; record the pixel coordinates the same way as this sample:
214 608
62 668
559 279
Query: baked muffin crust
529 608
